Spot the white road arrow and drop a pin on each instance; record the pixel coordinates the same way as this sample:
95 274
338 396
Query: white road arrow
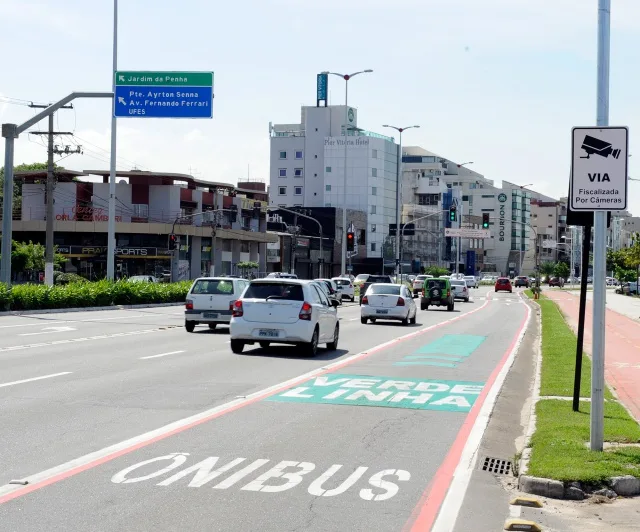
49 330
121 100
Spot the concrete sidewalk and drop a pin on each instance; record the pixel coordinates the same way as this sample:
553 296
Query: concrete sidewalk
622 346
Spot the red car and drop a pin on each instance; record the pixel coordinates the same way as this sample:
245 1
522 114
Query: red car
503 283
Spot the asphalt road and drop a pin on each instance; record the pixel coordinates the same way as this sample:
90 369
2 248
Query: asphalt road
120 420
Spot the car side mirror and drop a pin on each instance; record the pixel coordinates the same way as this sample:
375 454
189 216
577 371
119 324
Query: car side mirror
334 303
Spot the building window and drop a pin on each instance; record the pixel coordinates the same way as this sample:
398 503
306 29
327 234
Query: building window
363 237
297 172
328 169
373 228
374 154
282 172
327 188
315 175
487 210
299 154
373 209
374 172
297 191
244 246
283 155
374 191
373 246
282 191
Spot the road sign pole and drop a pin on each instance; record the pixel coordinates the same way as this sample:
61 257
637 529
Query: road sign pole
586 247
600 241
111 220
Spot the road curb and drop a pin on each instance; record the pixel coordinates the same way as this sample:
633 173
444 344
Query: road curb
623 486
86 309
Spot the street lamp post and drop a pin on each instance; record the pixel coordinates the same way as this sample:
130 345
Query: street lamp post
459 243
398 192
346 78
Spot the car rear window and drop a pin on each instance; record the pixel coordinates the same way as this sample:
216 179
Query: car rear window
378 279
433 283
421 277
458 283
213 287
503 281
275 290
342 282
393 290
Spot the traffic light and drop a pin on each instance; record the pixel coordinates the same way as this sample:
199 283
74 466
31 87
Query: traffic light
351 241
174 242
485 220
452 213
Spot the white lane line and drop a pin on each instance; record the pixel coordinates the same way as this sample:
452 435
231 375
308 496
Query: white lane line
31 324
88 461
162 355
50 330
35 379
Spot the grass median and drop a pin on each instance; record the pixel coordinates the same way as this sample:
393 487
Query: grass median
559 446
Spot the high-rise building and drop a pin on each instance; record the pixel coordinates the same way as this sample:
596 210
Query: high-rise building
308 168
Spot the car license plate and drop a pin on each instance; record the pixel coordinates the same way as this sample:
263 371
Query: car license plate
268 333
382 311
210 314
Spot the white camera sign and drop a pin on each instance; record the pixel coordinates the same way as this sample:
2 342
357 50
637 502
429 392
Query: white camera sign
599 168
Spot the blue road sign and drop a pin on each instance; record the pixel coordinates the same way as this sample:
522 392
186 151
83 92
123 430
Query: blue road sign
135 101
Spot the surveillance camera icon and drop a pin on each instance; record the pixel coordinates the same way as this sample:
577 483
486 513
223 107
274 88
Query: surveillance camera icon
599 147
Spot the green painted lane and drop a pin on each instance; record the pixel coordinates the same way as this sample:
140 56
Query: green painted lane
445 352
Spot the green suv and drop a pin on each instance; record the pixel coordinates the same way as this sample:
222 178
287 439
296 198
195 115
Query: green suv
437 292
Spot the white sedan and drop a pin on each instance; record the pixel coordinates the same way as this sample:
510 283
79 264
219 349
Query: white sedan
284 311
385 301
460 289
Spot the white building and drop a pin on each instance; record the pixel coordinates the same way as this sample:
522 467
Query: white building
308 168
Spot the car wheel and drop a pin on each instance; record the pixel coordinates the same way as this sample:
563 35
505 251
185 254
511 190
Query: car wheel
363 321
332 346
353 299
423 306
450 307
511 291
212 326
412 321
405 321
237 346
311 348
190 326
265 345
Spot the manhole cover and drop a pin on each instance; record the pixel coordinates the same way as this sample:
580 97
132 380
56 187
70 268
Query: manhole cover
497 466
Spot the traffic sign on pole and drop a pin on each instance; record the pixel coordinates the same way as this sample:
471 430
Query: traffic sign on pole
163 94
599 168
467 233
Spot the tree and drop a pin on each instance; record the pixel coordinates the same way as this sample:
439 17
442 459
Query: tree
561 270
436 271
17 191
633 254
29 257
547 268
244 267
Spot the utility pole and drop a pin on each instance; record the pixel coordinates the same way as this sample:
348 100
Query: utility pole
48 256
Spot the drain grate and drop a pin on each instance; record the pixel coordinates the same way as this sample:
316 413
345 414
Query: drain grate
497 466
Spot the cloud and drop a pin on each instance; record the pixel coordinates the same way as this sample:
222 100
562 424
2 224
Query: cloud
194 136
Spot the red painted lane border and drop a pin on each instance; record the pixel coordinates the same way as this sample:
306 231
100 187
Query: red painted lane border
426 511
258 397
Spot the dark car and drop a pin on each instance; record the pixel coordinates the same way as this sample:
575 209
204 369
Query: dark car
437 292
556 281
373 279
503 284
522 280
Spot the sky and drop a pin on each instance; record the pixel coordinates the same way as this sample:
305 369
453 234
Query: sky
497 82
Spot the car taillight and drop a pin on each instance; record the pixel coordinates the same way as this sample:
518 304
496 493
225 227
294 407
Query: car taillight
189 305
231 303
448 293
305 312
365 300
400 302
237 310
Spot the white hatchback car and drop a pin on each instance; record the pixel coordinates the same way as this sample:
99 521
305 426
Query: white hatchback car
210 301
345 288
385 301
284 311
472 281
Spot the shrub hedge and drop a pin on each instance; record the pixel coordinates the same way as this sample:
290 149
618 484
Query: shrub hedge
90 294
